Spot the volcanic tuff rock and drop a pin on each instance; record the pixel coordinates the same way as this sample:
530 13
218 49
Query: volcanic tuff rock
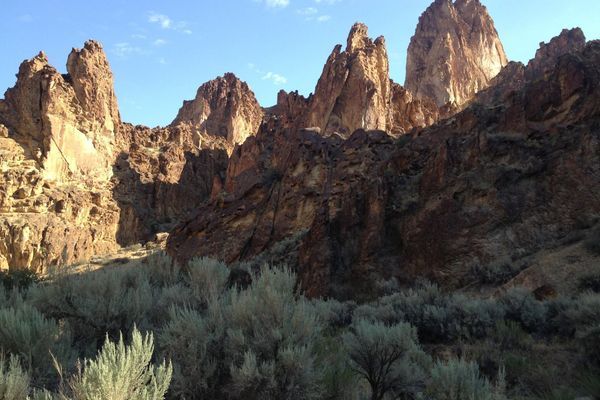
75 182
454 53
489 182
355 92
224 107
569 41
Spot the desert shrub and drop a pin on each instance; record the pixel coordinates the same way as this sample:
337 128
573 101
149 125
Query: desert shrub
207 278
573 316
337 379
19 278
123 372
109 300
589 382
521 306
257 342
386 357
193 343
438 317
26 333
458 380
509 335
335 314
14 381
495 273
271 324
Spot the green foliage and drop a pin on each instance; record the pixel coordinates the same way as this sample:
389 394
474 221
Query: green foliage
385 356
509 335
495 273
14 381
26 333
18 279
458 380
207 279
123 372
109 300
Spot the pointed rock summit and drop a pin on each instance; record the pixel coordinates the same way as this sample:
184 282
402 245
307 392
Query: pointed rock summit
355 91
68 122
454 53
224 107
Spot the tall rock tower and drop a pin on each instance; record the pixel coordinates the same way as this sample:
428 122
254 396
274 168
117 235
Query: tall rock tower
454 53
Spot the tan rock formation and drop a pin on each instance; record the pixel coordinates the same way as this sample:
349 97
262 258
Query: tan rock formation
224 107
454 53
355 92
67 122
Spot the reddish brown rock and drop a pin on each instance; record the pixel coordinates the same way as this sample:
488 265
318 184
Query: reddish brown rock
224 107
454 53
489 182
569 41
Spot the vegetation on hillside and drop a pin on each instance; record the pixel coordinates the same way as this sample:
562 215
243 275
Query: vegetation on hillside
152 330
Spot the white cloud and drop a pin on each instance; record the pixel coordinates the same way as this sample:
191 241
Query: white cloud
161 19
327 1
275 78
323 18
275 3
165 22
159 42
162 61
124 49
138 36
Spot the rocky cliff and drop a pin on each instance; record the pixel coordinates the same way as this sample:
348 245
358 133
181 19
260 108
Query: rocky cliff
454 53
493 181
355 92
76 182
224 107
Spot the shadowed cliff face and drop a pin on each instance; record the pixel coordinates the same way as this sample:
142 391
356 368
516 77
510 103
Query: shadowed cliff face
495 180
454 53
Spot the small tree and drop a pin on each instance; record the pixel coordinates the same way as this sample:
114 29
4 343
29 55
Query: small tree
123 372
384 356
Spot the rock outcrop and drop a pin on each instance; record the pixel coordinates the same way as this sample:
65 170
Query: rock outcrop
224 107
68 122
454 53
489 182
569 41
76 182
355 92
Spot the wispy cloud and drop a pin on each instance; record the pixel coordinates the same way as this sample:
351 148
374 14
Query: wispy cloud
275 78
312 14
166 22
138 36
124 49
159 42
274 3
327 1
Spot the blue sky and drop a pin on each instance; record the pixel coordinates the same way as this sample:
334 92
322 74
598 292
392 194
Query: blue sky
161 51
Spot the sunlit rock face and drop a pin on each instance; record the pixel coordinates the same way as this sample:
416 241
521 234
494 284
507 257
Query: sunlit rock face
224 107
454 53
355 92
67 122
